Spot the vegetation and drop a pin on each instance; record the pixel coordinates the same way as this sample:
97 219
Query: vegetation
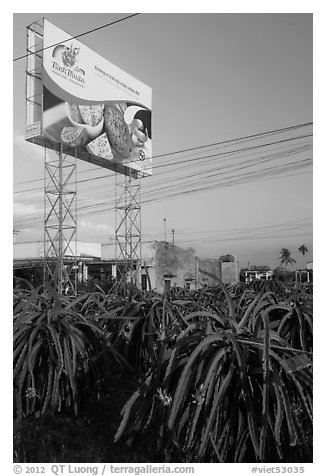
303 249
285 258
221 374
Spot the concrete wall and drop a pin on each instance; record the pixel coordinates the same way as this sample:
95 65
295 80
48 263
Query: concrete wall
173 266
211 266
230 272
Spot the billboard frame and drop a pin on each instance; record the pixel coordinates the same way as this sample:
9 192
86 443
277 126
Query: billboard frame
34 104
129 241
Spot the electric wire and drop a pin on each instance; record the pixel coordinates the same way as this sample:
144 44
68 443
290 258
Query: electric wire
191 186
109 207
185 184
77 36
215 176
220 157
206 180
276 230
200 161
221 144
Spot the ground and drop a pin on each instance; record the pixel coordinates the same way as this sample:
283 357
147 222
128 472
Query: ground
88 438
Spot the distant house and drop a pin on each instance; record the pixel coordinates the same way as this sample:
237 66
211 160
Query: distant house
256 272
305 275
29 258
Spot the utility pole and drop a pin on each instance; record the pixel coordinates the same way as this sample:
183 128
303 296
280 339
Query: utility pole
172 235
164 219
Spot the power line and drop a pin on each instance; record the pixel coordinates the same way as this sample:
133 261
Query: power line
252 136
306 221
189 180
237 180
202 177
200 159
159 192
42 179
237 233
109 206
216 144
237 150
77 36
243 238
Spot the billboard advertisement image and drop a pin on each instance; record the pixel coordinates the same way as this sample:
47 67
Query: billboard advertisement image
92 106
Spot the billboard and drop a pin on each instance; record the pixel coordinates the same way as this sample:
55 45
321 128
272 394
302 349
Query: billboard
90 107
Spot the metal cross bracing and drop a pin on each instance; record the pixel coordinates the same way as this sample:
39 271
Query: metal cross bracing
128 227
60 222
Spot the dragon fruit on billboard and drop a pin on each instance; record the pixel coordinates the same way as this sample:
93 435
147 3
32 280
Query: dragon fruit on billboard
74 136
100 147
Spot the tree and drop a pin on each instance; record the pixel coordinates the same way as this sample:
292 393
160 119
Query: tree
285 258
303 249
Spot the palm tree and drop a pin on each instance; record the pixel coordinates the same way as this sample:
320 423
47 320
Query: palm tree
285 258
303 249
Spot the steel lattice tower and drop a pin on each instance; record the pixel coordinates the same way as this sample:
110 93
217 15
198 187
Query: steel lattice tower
60 222
60 191
128 227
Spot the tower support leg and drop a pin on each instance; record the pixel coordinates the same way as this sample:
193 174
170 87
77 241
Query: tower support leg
128 228
60 222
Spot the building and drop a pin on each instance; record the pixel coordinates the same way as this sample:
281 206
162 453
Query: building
211 266
229 269
164 265
29 256
256 272
305 275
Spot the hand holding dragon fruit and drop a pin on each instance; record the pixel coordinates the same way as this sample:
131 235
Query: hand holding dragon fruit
86 123
139 135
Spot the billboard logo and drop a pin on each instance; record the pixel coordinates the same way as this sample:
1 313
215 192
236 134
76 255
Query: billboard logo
66 55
